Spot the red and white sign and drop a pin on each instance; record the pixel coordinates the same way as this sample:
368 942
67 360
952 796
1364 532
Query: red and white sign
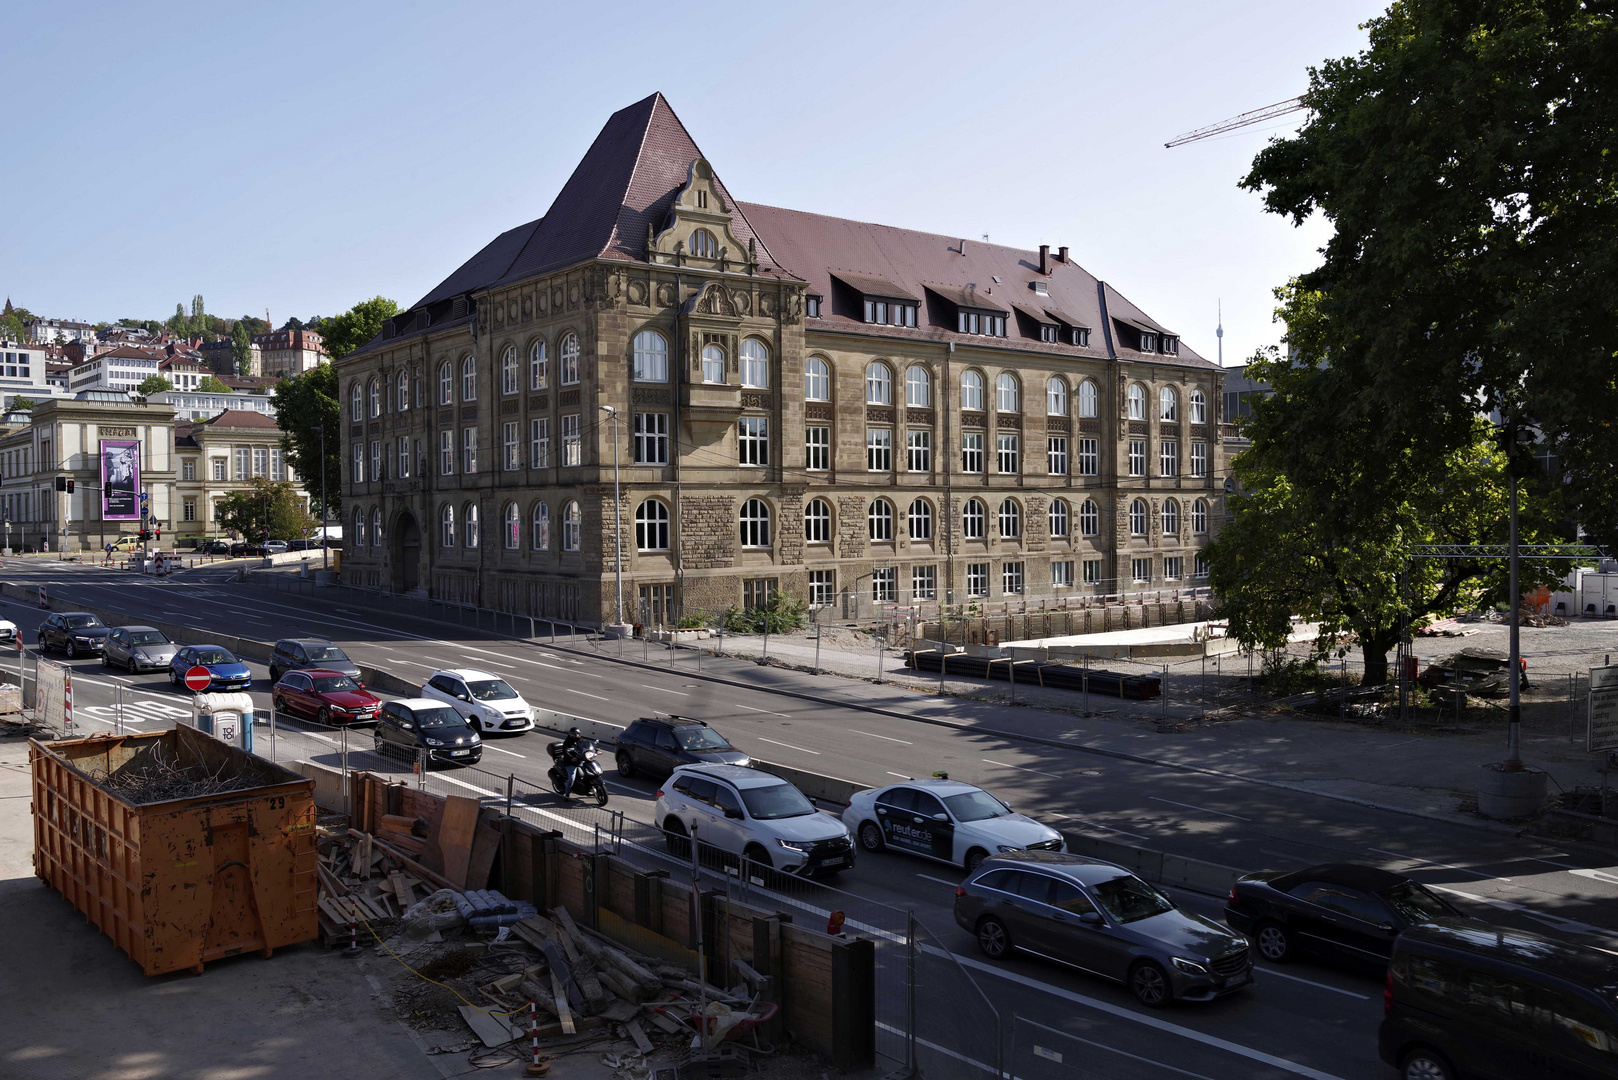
197 679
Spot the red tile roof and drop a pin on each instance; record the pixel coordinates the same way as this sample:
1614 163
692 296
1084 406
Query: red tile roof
240 418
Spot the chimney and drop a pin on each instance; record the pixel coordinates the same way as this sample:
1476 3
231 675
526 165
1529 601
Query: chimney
963 247
1044 258
1061 253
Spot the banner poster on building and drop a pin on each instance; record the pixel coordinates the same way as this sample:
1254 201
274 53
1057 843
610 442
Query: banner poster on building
120 480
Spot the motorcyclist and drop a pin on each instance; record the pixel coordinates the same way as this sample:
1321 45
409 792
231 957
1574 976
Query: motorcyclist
572 756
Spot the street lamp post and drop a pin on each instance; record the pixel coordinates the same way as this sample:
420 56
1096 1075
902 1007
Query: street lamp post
323 540
617 517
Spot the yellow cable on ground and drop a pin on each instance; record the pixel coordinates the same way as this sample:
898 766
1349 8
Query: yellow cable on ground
378 939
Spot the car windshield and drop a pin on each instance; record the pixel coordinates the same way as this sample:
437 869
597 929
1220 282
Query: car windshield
1415 904
335 684
324 652
490 689
437 718
975 806
699 738
1128 899
148 637
776 801
213 656
82 622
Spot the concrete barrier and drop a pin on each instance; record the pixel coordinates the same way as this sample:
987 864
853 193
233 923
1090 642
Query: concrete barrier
829 789
388 682
328 784
1156 866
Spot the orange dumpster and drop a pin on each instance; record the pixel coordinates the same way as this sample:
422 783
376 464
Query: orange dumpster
180 848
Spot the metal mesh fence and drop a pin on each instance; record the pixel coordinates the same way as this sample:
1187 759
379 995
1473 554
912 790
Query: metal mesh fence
1037 1051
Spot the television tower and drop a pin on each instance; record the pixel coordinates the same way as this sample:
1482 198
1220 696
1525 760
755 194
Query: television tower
1219 332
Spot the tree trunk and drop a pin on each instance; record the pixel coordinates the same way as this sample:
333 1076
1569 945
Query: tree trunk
1375 656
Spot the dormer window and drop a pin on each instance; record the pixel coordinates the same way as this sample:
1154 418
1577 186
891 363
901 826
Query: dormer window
889 312
1148 342
1047 332
1041 288
1171 345
811 305
983 323
703 244
1081 335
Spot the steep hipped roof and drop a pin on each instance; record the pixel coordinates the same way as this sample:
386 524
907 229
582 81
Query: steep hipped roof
240 418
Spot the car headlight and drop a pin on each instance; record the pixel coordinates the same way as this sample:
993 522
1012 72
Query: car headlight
801 849
338 708
476 737
1009 847
1190 967
433 742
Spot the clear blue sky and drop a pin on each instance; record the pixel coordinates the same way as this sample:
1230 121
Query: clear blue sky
301 157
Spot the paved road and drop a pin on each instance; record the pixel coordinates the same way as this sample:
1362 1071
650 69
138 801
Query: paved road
1303 1020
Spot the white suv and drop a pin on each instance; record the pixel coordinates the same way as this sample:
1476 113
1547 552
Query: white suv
487 701
755 815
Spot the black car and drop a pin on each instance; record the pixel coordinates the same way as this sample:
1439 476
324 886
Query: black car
404 728
660 744
77 633
214 547
1468 999
1341 912
243 549
296 654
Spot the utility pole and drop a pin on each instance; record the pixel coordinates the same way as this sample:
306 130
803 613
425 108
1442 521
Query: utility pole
323 540
617 517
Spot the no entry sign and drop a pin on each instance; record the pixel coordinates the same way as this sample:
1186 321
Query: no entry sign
197 679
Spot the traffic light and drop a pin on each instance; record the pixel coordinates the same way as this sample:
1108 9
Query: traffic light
70 485
157 534
61 483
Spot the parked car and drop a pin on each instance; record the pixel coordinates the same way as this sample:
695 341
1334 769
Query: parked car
661 744
9 632
404 727
138 648
943 819
245 549
303 545
273 547
214 547
754 815
1103 919
224 670
296 654
126 544
327 697
1468 999
1341 912
487 701
74 632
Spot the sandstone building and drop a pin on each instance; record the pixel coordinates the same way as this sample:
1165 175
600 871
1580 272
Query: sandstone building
850 412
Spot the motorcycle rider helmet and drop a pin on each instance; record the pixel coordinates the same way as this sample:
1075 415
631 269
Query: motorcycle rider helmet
574 731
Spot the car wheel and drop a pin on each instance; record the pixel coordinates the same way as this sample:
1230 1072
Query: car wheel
174 677
675 838
275 674
626 765
871 836
756 855
323 716
378 744
993 938
974 859
1274 942
72 649
1150 985
1424 1064
105 663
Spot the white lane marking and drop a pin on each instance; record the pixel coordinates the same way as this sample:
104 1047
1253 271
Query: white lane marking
1442 866
497 663
1108 828
1202 809
766 712
664 689
498 750
1311 982
788 745
900 775
1553 862
941 881
448 664
581 693
1572 925
311 734
1019 768
471 787
1281 855
412 663
884 738
1594 875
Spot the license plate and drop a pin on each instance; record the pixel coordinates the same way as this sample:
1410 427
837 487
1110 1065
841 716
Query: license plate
459 753
1234 980
835 860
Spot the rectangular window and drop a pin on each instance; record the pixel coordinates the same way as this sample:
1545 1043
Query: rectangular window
1008 447
511 446
190 509
404 457
1199 459
1011 579
977 579
923 583
817 449
219 469
1056 455
188 470
278 469
822 587
1199 567
261 461
359 464
1089 457
469 450
1092 571
1171 568
1047 333
884 585
1140 570
811 306
572 445
446 453
1168 458
651 438
971 451
539 443
753 440
244 463
1062 574
878 450
1137 457
919 451
757 591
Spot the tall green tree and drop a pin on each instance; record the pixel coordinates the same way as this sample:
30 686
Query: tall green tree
153 384
303 402
199 317
346 332
272 505
1465 160
241 348
14 324
179 323
210 384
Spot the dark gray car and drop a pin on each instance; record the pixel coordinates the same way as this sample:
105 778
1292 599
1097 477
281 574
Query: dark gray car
296 654
138 648
1101 918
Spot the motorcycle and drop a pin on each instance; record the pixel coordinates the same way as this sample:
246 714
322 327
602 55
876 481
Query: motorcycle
588 782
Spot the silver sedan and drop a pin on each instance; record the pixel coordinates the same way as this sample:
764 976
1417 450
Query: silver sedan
138 648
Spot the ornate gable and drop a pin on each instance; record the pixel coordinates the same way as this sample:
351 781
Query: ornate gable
697 230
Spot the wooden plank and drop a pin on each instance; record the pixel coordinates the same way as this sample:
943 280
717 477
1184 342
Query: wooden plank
456 831
642 1043
401 891
563 1013
415 845
398 823
424 875
485 845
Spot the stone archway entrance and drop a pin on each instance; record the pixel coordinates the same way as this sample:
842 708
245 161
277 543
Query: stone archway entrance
406 554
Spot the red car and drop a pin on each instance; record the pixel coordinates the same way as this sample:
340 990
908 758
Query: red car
328 697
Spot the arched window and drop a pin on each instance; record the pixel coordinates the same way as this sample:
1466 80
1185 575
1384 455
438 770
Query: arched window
878 384
1089 518
376 526
880 519
972 391
359 527
1168 404
651 357
539 367
1171 518
446 521
1137 401
1006 393
512 527
568 357
817 522
1056 397
1059 518
921 520
542 527
703 244
1199 517
816 380
918 388
446 383
469 379
403 391
1199 407
1137 518
651 526
570 527
469 528
713 364
1010 520
508 370
755 522
373 397
356 402
1089 398
755 363
974 524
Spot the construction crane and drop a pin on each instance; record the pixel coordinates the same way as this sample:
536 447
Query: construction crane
1246 119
